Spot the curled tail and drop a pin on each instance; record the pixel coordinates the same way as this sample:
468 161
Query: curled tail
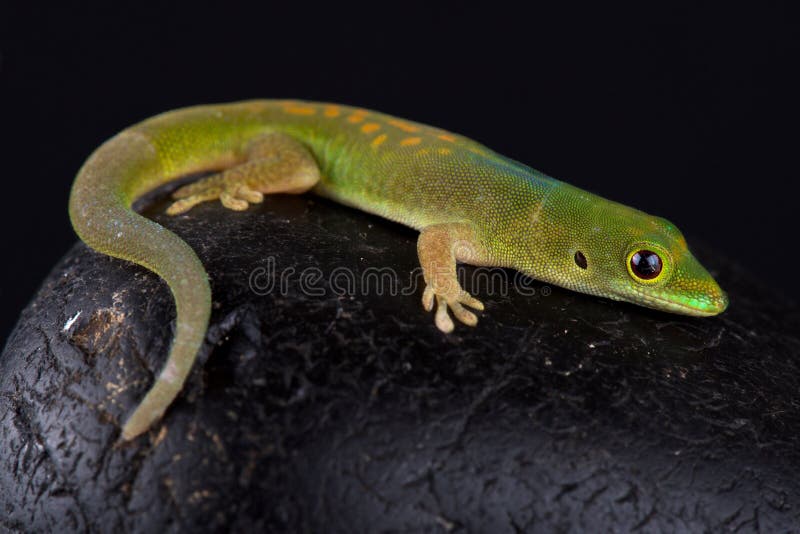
100 211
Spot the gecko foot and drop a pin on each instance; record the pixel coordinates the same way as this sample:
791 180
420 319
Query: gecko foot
235 197
455 304
275 163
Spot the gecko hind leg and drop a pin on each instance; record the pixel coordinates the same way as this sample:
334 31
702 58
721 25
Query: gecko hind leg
275 163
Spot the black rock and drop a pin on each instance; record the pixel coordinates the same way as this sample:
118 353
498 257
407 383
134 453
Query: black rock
350 412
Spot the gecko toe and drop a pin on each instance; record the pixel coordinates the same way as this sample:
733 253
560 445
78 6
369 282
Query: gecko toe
178 207
187 202
232 202
427 298
468 300
443 320
463 314
250 195
183 192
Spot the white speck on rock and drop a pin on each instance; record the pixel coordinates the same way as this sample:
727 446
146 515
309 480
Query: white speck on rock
71 321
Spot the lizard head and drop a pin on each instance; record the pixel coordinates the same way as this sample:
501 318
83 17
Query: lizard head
625 254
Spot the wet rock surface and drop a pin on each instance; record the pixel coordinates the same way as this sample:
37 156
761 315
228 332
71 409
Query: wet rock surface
322 403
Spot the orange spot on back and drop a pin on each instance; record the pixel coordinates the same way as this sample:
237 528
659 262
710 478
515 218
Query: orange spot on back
408 141
406 127
445 137
331 111
378 140
357 116
300 110
370 127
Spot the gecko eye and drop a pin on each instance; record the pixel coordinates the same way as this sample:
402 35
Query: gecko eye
580 260
646 264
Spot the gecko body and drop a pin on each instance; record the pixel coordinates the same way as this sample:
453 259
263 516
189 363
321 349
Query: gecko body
469 203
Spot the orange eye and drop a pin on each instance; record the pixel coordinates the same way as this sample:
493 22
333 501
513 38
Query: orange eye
646 264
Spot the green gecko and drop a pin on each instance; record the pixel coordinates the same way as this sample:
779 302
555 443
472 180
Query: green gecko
469 203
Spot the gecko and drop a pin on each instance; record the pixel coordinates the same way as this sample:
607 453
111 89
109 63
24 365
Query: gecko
470 205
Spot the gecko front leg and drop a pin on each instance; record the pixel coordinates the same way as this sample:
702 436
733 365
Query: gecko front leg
275 163
439 247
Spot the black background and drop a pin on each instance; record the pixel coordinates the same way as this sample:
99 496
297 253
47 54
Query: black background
683 111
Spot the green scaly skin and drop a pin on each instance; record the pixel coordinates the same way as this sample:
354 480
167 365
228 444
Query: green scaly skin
508 214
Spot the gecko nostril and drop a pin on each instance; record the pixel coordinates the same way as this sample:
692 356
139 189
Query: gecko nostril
580 260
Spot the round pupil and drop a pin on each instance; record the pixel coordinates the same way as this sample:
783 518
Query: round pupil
646 264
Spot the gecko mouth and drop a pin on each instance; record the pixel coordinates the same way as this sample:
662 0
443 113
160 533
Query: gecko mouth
704 307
